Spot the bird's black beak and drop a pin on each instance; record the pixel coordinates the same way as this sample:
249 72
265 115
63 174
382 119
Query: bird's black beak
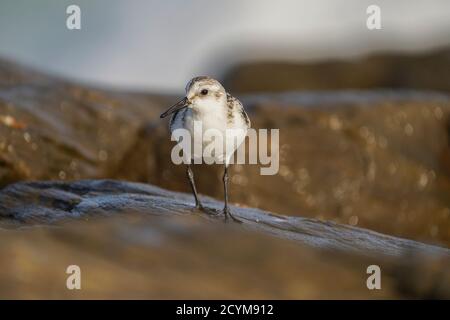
183 103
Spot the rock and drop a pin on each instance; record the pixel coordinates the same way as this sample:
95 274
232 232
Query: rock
134 240
376 159
420 71
379 160
32 203
54 129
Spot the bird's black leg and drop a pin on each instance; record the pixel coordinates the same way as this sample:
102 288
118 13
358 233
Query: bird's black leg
226 209
190 176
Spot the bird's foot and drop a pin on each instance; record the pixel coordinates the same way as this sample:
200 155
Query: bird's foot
199 206
208 211
227 213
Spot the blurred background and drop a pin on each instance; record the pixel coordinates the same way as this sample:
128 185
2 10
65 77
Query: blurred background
364 119
160 45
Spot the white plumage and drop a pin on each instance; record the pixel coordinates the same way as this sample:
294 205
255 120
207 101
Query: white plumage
207 112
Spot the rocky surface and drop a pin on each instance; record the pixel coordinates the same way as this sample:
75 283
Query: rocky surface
54 129
376 159
379 160
139 241
33 203
420 71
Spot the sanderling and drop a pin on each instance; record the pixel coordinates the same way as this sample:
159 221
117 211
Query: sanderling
207 102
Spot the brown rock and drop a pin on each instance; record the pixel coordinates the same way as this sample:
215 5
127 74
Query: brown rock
376 159
53 129
420 71
139 241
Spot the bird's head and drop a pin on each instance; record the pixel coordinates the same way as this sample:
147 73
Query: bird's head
202 93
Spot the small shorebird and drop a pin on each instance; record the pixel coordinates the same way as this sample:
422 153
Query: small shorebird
206 101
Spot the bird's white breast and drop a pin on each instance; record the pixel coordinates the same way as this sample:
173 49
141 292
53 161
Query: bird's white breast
199 123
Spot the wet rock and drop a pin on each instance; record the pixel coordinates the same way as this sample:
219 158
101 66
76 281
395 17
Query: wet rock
375 159
54 129
139 241
378 159
30 203
420 71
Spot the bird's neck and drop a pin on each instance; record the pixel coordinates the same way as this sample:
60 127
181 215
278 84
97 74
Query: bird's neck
217 110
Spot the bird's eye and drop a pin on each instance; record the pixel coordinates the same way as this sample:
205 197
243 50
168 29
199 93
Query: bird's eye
204 92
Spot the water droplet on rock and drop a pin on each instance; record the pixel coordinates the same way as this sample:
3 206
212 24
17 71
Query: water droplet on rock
27 137
102 155
62 175
423 180
409 130
353 220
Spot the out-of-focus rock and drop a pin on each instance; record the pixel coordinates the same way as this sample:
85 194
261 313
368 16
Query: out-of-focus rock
379 160
140 241
54 129
376 159
420 71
